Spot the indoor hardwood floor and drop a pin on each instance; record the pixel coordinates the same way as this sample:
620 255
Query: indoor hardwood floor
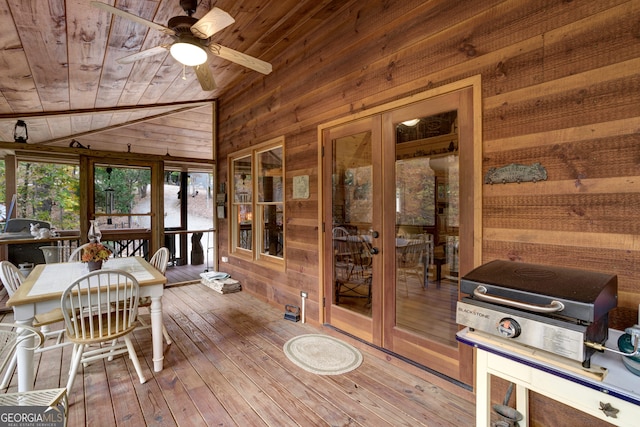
226 367
427 310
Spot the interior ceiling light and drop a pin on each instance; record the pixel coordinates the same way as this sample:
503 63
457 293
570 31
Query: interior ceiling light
411 122
188 53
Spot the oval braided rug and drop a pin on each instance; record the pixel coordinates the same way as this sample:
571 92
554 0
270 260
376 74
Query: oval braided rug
322 354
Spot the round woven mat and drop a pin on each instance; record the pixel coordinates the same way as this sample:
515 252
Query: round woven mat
322 354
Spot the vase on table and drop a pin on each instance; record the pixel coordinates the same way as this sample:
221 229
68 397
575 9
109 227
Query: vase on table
94 234
94 265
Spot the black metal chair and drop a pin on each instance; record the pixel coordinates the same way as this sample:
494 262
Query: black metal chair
352 266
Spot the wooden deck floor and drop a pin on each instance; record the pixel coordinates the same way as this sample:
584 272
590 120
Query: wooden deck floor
226 367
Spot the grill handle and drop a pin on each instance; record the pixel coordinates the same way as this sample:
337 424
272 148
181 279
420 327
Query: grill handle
480 292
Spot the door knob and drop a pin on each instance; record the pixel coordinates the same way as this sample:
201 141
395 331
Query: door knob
374 251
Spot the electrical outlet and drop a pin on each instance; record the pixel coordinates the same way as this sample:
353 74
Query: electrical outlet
303 294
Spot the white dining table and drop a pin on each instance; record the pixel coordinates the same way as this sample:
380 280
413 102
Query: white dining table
42 289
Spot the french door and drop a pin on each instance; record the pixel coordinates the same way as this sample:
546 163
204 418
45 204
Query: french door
398 193
353 227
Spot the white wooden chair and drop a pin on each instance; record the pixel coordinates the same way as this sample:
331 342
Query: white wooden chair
9 340
160 260
99 308
76 254
12 279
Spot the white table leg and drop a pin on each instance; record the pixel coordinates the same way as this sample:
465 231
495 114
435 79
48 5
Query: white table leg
156 333
25 358
483 390
522 404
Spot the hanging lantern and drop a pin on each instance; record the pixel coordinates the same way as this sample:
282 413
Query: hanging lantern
20 133
109 198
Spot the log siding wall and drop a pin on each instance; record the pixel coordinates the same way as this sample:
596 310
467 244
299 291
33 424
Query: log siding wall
560 86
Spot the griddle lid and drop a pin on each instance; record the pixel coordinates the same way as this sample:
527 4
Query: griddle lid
586 295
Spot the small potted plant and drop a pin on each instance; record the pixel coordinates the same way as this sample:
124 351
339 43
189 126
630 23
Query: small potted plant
94 254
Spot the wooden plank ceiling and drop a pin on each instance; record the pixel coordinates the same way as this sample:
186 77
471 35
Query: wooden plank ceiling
59 73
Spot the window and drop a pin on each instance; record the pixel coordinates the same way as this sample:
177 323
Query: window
122 197
48 192
257 222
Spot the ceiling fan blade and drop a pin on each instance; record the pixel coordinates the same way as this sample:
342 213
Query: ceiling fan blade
203 72
240 58
214 21
143 54
132 17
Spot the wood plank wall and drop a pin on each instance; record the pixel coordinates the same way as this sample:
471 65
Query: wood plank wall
561 86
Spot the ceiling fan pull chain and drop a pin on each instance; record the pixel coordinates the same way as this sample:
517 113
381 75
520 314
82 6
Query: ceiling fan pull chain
184 72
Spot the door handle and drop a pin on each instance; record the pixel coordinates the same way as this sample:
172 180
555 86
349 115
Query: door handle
374 251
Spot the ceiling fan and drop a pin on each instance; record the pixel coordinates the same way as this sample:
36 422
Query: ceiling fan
192 43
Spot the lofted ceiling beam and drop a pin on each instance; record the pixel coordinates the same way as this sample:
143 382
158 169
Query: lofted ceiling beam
70 113
120 125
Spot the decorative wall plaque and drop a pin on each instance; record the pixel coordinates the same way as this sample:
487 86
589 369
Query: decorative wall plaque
516 173
301 187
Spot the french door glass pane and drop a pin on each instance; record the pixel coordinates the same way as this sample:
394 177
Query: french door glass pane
426 202
352 211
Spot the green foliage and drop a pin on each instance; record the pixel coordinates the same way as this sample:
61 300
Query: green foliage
49 192
127 184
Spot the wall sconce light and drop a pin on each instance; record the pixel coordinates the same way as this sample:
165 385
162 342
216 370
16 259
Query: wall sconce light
20 133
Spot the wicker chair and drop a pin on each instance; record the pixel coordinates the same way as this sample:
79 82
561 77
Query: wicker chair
12 279
99 308
9 340
160 260
412 258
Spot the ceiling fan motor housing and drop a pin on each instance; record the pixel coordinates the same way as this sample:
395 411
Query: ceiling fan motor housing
182 27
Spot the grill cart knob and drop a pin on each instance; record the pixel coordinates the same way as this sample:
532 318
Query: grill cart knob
509 328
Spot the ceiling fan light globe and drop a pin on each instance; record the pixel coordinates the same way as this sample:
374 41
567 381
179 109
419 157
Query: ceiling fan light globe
188 54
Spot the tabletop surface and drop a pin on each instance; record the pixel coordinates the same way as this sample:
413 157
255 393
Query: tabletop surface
48 281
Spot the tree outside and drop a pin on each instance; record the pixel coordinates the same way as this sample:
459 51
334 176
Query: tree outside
48 192
129 188
51 192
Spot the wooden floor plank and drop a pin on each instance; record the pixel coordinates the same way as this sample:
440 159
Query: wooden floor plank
226 367
250 359
209 343
185 337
